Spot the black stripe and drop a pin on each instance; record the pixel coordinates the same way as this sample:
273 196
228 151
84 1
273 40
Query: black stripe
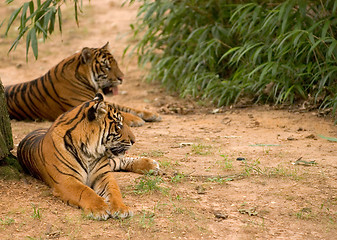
67 174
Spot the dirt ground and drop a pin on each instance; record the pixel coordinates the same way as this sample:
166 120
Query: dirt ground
205 190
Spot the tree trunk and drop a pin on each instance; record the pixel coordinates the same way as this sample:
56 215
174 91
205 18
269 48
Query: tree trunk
6 139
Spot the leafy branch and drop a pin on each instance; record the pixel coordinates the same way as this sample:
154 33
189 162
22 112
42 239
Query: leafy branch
38 18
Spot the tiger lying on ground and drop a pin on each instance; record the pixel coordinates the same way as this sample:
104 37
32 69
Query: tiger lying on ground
73 81
77 155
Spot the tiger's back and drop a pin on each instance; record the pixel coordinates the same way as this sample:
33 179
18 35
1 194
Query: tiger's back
30 152
73 81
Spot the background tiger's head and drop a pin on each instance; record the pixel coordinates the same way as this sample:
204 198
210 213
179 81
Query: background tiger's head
105 73
94 129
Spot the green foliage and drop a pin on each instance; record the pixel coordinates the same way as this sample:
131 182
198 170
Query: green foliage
36 212
149 183
7 221
225 164
219 179
147 219
269 51
201 149
37 18
178 177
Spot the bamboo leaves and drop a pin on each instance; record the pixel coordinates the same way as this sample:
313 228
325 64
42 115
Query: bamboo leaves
36 18
222 50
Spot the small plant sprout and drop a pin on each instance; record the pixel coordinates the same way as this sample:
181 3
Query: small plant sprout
36 212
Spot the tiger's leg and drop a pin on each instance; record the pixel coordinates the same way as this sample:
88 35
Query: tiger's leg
132 120
145 115
108 189
78 194
135 164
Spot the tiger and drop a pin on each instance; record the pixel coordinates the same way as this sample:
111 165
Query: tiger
77 155
74 80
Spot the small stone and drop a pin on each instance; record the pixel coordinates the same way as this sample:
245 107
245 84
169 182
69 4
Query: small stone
200 189
220 215
311 136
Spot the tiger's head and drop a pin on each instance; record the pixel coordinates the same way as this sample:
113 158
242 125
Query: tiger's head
94 129
117 137
105 73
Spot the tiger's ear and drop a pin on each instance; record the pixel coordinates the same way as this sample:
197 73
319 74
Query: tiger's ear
86 55
98 110
106 46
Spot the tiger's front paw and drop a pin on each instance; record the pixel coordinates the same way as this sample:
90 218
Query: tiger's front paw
133 120
150 116
98 212
121 212
146 165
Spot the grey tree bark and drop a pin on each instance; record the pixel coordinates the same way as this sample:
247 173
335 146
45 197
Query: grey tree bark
6 139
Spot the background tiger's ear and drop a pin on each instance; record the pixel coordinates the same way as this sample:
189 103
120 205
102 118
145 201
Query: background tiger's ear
86 55
106 46
98 110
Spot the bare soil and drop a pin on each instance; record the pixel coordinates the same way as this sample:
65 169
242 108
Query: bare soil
205 190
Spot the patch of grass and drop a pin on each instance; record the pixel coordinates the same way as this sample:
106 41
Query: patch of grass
177 209
178 177
149 183
252 168
305 214
219 179
36 212
168 163
200 149
7 221
281 171
147 219
225 163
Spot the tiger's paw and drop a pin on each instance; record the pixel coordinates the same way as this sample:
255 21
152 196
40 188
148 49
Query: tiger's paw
132 120
100 214
121 212
146 165
150 116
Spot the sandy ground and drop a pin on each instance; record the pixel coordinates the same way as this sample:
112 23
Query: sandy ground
204 190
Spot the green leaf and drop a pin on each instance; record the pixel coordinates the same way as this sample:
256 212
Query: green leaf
24 14
331 139
12 18
59 14
37 24
230 51
27 45
76 13
331 49
52 20
31 7
34 43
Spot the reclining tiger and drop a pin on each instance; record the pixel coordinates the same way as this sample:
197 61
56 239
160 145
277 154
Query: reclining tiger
77 155
73 81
